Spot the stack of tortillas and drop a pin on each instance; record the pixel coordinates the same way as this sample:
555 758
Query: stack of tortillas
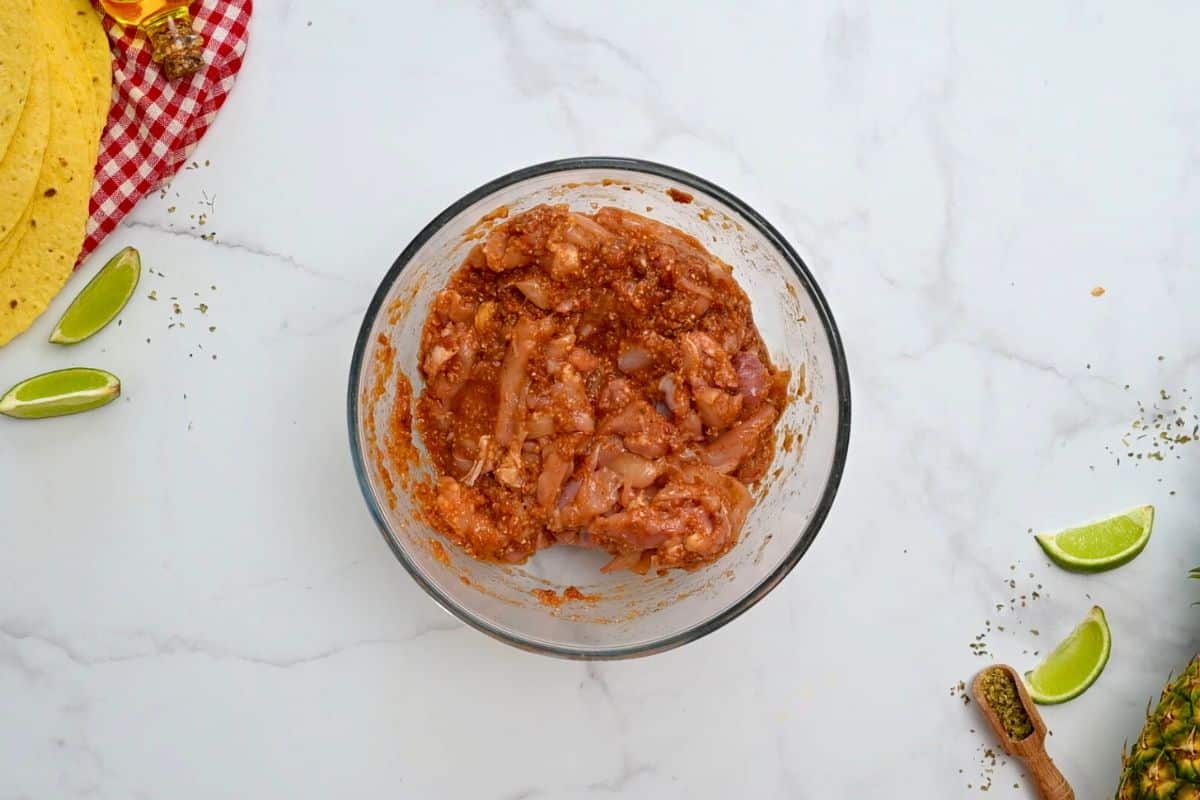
55 90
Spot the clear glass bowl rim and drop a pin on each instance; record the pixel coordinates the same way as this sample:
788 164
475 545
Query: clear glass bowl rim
825 317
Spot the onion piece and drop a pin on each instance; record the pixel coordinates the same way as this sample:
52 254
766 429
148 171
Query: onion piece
636 471
535 292
633 358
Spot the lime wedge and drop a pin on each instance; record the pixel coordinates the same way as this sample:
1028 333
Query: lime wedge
65 391
101 300
1075 663
1101 545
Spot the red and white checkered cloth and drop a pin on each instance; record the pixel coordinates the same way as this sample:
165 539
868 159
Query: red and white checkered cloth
154 124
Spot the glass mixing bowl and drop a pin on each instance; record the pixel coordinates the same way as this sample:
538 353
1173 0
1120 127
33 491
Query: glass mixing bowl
627 614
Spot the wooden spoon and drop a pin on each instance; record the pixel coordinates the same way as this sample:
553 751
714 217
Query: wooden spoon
1051 784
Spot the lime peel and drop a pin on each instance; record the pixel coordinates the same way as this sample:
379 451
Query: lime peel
1102 545
101 300
1075 663
62 392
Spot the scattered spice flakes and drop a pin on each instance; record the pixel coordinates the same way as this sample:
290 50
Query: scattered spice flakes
177 311
1159 429
1098 291
988 765
1019 597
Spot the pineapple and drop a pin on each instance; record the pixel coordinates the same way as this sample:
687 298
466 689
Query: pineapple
1164 763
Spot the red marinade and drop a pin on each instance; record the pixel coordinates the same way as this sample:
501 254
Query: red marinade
595 380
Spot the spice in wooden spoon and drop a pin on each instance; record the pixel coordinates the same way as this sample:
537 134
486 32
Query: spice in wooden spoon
1005 703
1000 692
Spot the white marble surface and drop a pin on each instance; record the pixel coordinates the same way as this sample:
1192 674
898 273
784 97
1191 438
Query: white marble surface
194 602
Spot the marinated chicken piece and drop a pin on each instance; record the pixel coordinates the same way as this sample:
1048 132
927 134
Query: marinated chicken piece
556 468
696 517
726 453
454 306
511 469
615 396
482 463
705 363
642 428
449 360
583 232
539 292
558 350
467 524
634 471
649 230
595 380
514 378
485 316
633 358
569 402
595 492
718 409
505 250
582 360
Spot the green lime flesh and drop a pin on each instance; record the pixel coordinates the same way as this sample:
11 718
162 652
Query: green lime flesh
64 391
101 300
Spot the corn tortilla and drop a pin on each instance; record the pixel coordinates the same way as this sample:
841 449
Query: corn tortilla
18 47
95 55
8 246
21 165
45 255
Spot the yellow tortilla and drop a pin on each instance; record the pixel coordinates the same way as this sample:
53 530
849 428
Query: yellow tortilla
9 245
18 46
45 255
96 57
21 165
